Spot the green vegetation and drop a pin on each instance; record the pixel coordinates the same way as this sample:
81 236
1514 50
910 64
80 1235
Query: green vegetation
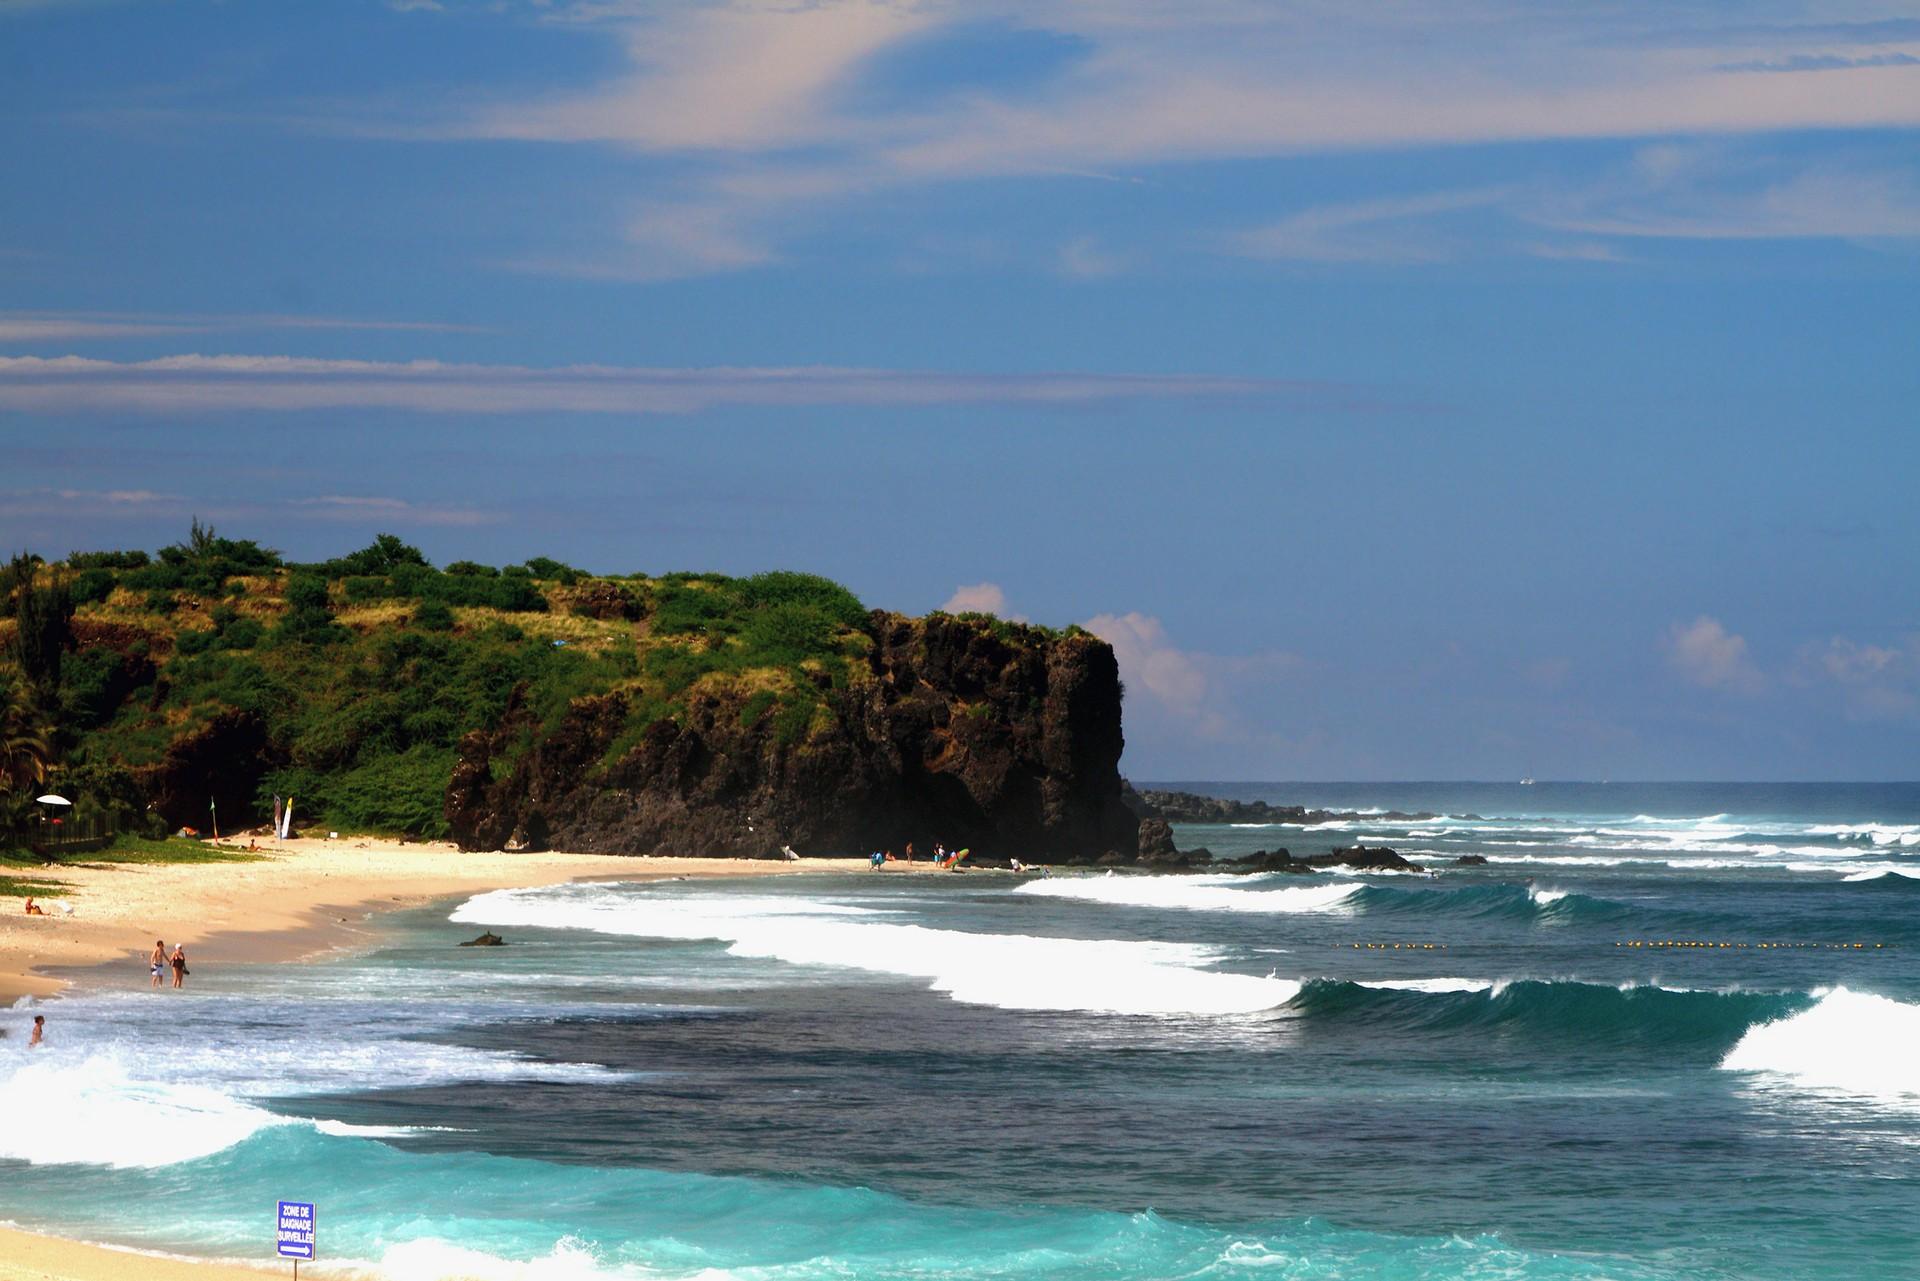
18 887
362 673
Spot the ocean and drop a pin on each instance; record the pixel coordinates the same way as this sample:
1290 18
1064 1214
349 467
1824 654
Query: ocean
1664 1032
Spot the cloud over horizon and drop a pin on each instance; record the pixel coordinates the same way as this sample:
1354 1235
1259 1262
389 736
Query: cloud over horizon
1705 653
196 383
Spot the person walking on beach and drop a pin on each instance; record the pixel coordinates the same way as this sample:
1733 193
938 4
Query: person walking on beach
39 1026
179 962
158 961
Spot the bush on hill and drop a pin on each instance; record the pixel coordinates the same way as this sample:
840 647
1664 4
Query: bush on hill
362 707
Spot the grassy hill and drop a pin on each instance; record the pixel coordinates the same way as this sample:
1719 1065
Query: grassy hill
215 670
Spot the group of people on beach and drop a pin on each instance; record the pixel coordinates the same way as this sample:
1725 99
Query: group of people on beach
942 857
160 962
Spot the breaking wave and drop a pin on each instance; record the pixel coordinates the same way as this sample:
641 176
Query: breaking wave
1010 971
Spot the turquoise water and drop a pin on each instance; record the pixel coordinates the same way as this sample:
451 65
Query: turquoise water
1534 1068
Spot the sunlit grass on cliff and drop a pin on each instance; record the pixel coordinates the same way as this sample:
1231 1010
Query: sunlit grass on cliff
349 684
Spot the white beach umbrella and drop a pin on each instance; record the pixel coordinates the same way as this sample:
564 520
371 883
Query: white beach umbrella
51 799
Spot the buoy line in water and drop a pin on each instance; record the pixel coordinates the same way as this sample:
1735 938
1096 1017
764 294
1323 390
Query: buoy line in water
1707 944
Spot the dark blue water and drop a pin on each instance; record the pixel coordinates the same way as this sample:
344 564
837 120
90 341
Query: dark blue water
1664 1032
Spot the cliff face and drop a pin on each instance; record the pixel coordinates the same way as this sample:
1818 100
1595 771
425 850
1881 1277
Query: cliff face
958 730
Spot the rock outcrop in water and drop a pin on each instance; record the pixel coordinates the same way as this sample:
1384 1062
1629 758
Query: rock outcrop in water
1366 858
1191 807
967 731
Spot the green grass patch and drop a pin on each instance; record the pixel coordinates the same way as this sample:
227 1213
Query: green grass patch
755 707
128 848
24 887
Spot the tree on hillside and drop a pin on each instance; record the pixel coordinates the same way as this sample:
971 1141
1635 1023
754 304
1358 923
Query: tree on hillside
383 555
42 608
205 549
26 744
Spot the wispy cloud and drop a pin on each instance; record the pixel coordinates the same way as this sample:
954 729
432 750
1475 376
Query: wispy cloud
79 326
768 103
1082 258
1823 62
1875 682
669 242
1709 193
1161 84
199 384
1395 229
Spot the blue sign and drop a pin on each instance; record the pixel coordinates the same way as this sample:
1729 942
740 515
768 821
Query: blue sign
294 1229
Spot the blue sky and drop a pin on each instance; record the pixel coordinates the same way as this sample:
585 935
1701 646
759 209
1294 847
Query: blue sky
1407 391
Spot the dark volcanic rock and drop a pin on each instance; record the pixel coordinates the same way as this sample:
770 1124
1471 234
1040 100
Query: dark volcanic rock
1156 839
1376 858
1000 738
1191 807
489 939
1471 860
1261 861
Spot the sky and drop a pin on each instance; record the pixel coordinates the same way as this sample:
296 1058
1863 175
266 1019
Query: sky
1406 391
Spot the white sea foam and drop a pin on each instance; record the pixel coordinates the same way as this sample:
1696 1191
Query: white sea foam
1012 971
110 1115
1880 872
1850 1043
1545 897
1873 833
1200 894
104 1116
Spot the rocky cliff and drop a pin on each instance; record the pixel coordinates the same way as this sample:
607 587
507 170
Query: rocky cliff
966 731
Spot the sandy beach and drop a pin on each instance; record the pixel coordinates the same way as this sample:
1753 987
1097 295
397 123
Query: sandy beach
27 1256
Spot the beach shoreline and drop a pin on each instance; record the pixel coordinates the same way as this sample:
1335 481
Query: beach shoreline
300 898
35 1256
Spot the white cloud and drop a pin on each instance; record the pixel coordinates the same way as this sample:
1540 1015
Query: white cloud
1707 654
753 76
201 384
1189 693
979 598
1149 661
1876 682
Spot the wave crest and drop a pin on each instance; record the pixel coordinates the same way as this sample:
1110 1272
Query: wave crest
1850 1043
